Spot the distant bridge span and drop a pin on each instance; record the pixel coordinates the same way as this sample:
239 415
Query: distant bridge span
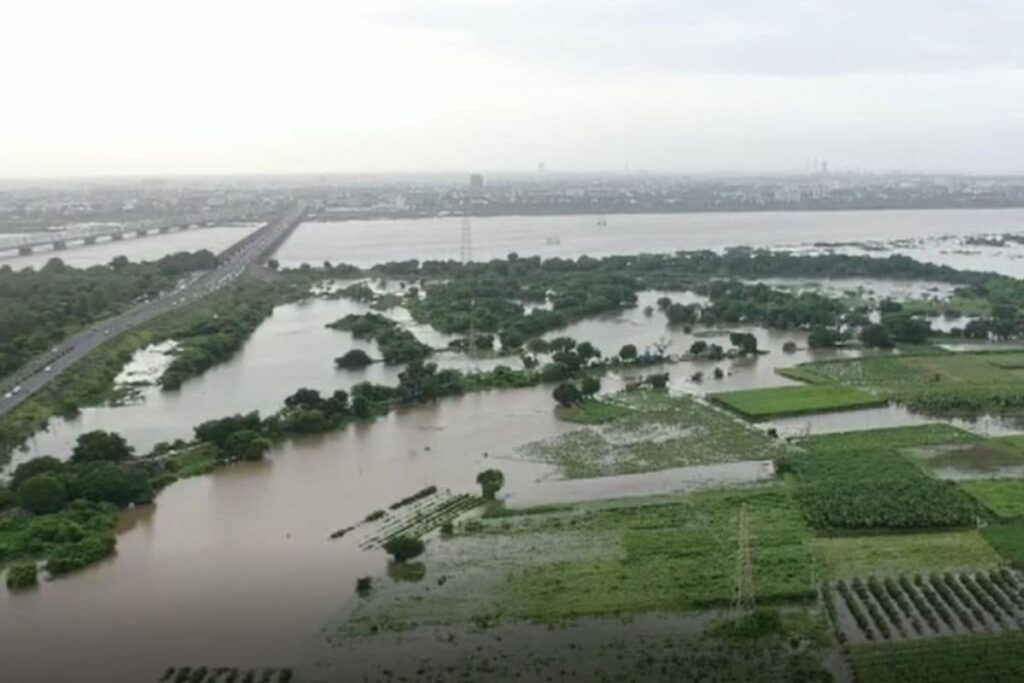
63 239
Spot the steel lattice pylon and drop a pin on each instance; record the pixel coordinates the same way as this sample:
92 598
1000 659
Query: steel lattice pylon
466 254
743 596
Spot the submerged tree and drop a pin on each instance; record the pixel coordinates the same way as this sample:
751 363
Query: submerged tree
490 482
404 547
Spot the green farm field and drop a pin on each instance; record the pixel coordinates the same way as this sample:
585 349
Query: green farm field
762 404
1004 497
935 382
860 481
989 658
847 557
662 554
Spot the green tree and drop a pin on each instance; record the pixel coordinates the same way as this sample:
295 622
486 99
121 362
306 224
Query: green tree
586 351
537 345
353 359
823 337
681 314
404 547
490 482
589 386
567 394
42 493
877 336
744 341
628 352
246 444
698 347
362 408
45 463
218 431
100 445
561 344
104 482
659 381
304 398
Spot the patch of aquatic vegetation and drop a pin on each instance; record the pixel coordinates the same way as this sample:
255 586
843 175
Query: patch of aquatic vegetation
643 431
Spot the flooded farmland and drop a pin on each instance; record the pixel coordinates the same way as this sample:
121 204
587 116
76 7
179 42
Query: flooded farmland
199 572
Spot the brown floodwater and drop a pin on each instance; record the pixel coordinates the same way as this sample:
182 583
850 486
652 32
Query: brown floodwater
235 568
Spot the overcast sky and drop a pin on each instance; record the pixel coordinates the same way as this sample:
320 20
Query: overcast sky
104 87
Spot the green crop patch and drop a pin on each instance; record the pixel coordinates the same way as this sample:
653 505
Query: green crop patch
659 554
942 660
845 557
890 439
1008 540
929 381
871 371
761 404
859 480
1004 497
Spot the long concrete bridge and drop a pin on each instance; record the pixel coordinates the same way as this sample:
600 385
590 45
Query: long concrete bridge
91 234
251 250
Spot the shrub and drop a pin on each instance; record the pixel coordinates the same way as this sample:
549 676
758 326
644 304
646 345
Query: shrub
21 576
92 549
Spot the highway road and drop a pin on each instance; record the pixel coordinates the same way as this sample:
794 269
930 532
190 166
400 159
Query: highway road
254 248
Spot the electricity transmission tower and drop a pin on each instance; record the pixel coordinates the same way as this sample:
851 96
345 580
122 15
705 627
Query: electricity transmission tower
466 254
743 597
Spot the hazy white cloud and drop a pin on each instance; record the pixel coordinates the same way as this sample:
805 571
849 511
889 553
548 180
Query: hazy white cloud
112 86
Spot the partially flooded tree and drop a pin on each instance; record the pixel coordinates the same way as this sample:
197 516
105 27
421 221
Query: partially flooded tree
404 547
490 482
567 394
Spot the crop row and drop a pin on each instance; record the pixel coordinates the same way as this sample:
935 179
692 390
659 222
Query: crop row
939 604
224 674
424 519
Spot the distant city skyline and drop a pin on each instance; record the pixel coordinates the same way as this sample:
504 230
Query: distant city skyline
114 88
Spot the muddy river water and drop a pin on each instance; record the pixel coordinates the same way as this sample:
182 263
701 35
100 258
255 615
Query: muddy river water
236 567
